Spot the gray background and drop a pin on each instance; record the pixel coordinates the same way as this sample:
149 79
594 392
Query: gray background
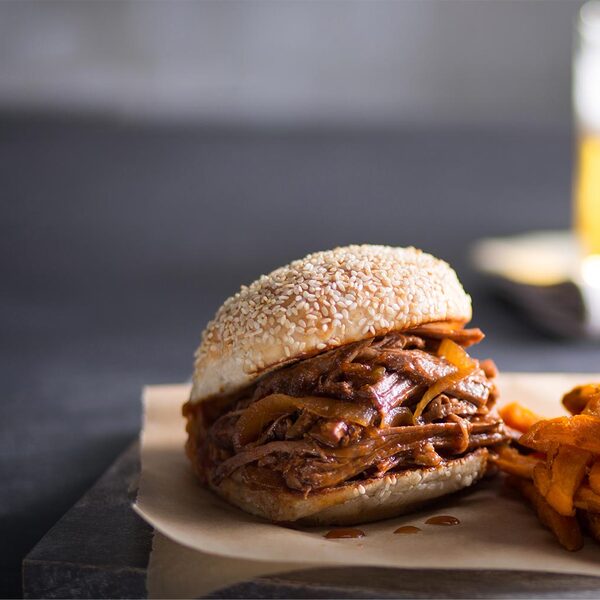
268 62
127 217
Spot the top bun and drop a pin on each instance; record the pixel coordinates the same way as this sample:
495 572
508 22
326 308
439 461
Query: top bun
323 301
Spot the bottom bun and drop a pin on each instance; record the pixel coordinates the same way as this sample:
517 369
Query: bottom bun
358 502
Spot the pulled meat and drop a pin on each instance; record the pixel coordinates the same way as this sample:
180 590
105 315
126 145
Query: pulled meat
301 449
330 433
385 373
309 466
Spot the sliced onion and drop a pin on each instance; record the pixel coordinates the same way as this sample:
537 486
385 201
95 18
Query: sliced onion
264 411
401 415
449 326
453 330
457 357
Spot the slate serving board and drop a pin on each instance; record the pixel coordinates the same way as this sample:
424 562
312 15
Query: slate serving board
100 549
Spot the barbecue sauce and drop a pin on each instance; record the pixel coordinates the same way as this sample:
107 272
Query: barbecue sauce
442 520
336 534
407 529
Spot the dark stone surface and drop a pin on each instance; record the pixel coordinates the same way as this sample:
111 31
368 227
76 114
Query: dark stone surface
118 242
400 583
100 548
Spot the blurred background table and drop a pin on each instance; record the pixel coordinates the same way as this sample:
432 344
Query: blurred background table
153 159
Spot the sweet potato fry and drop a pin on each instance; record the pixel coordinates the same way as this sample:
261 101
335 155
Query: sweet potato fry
581 431
587 499
592 407
576 400
567 470
518 417
594 476
511 461
541 478
566 529
592 524
551 453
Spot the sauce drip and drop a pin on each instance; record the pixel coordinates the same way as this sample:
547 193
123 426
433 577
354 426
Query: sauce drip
336 534
442 520
407 529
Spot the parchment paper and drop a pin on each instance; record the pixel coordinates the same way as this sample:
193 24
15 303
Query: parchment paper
497 530
176 571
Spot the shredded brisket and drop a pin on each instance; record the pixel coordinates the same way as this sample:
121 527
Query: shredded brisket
304 451
385 373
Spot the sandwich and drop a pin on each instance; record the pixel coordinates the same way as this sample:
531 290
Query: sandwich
338 390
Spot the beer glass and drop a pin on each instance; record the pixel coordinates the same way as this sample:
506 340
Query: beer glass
586 101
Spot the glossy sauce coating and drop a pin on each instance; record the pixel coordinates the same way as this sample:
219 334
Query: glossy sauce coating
407 529
336 534
442 520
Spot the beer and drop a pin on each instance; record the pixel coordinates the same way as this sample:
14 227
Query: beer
587 194
586 99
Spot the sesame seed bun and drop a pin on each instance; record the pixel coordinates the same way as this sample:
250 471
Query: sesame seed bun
358 502
320 302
